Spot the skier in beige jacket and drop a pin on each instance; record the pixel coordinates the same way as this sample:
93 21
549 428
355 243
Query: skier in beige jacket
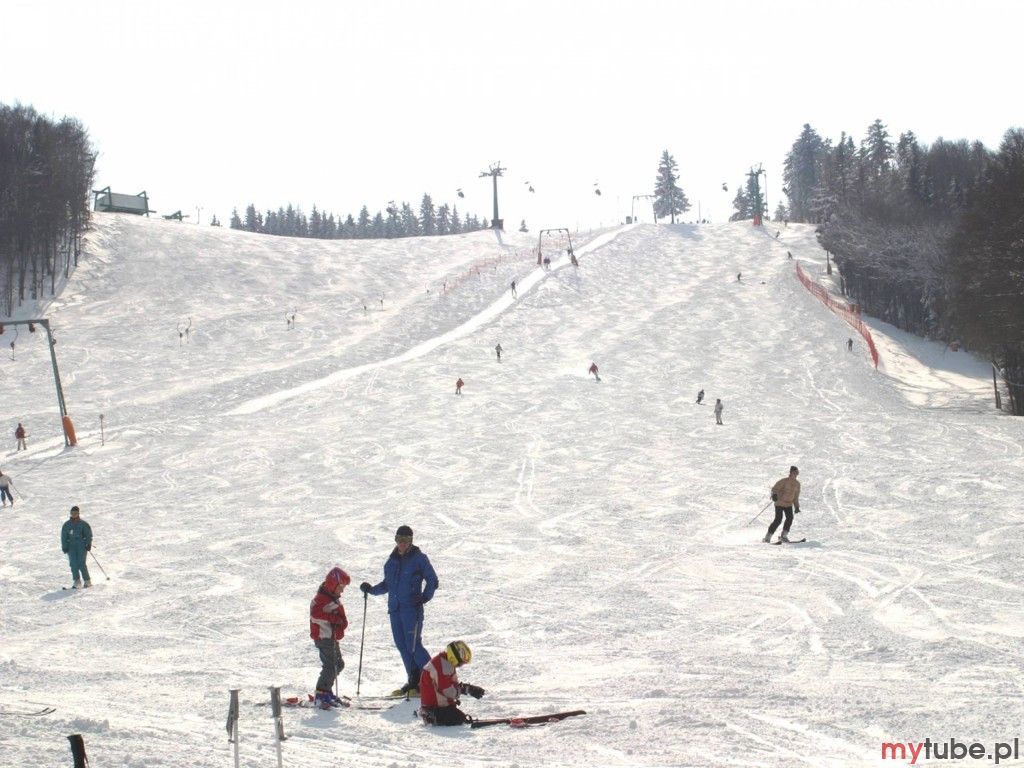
786 495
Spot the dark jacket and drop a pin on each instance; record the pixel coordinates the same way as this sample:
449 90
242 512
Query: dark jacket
76 535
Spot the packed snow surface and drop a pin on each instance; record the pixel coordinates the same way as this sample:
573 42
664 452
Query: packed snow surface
593 539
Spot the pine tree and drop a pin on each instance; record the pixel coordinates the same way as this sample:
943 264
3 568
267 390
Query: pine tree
522 226
755 197
741 205
669 199
428 218
802 172
410 224
235 222
444 223
377 226
876 151
363 224
315 223
253 221
456 225
393 224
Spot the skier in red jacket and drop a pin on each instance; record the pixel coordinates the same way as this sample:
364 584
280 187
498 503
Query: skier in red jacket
459 385
440 687
327 623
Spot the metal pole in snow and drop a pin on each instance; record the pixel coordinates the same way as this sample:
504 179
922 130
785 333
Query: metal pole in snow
275 705
233 721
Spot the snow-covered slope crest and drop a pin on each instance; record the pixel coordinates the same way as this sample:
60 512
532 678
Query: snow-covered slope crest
592 538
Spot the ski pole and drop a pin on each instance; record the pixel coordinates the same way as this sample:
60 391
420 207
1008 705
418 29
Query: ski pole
762 511
100 566
359 677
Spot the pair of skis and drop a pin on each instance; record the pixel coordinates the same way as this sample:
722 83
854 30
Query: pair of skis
526 722
310 703
794 541
513 722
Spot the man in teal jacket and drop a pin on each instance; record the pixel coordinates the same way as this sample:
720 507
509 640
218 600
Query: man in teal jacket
76 540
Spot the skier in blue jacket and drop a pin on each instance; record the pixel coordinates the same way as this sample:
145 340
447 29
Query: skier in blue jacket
409 582
75 541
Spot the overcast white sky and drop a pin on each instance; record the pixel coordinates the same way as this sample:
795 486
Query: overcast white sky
341 103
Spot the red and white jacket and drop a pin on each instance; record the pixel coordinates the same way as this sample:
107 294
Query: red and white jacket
327 619
439 683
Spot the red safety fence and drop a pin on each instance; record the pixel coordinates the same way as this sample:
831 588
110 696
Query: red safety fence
849 312
473 271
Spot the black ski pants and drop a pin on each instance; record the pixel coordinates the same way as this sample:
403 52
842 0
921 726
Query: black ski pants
779 512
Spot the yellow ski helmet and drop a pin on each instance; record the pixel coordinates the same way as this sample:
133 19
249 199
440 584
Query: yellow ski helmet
458 653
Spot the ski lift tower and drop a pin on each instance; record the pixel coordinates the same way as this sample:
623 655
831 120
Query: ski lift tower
632 216
495 171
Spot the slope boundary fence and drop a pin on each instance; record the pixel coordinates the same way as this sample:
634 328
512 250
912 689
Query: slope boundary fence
494 262
849 312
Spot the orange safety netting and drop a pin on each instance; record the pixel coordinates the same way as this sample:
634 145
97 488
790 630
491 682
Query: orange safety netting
849 312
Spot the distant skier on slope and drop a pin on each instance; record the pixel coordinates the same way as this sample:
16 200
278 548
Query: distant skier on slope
5 489
786 495
497 351
718 411
327 623
459 385
514 289
440 687
849 345
593 370
700 397
19 435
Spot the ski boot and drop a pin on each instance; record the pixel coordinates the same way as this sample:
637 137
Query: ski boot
323 700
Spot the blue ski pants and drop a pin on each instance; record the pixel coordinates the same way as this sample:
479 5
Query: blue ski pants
406 629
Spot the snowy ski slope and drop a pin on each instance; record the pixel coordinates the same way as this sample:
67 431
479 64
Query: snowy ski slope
591 539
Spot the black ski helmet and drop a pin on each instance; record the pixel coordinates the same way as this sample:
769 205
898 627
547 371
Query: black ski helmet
403 530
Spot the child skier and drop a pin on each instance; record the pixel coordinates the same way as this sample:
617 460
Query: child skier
440 687
327 623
